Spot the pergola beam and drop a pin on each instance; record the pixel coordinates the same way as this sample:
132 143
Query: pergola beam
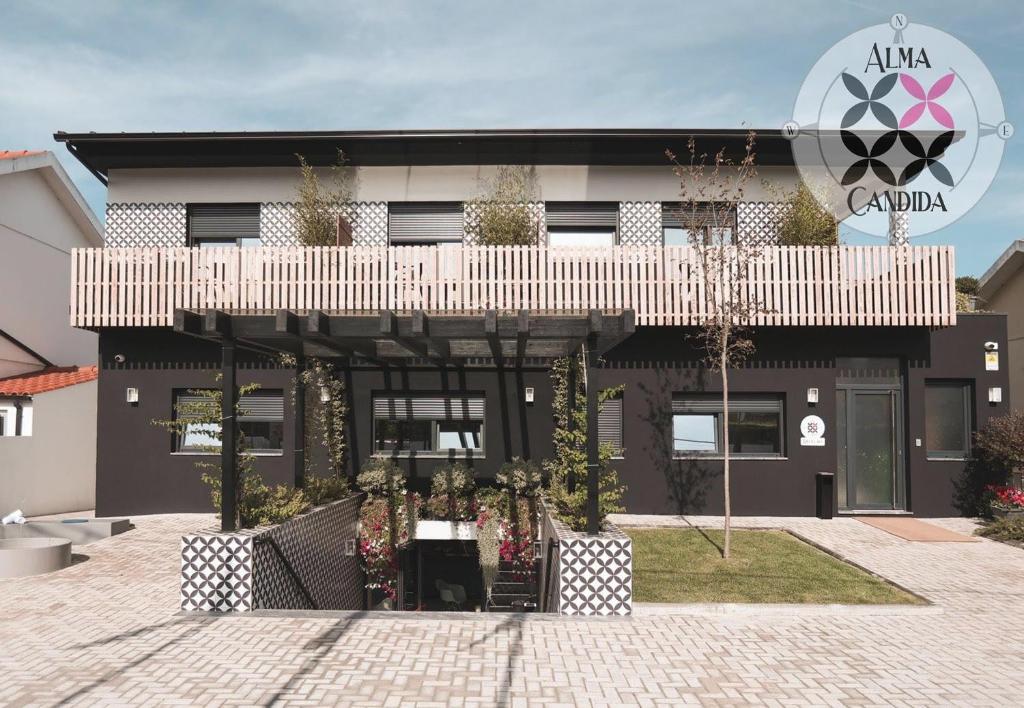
522 333
493 340
389 330
421 327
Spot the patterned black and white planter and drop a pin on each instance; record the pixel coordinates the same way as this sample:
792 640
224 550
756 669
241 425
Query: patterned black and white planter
309 562
583 574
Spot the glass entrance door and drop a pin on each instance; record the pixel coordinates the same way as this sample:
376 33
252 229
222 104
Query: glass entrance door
869 430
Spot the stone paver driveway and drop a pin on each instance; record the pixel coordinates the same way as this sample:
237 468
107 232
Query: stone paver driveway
107 631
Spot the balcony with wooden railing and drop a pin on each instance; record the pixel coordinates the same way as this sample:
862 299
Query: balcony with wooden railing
790 285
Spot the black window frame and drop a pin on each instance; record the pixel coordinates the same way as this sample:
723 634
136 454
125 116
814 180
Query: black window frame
452 405
244 422
226 239
967 393
738 403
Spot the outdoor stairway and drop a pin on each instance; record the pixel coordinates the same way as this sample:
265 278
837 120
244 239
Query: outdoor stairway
512 594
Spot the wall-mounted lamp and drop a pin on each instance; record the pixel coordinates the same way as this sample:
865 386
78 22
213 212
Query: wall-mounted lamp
325 394
528 394
812 395
131 395
995 395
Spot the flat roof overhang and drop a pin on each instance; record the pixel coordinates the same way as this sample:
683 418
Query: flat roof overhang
386 338
101 152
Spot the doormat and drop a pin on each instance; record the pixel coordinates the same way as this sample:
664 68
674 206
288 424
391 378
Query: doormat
912 529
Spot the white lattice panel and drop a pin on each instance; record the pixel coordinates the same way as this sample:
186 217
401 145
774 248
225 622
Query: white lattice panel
758 222
145 224
640 223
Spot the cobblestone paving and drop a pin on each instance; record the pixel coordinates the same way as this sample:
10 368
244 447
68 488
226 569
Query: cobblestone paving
106 632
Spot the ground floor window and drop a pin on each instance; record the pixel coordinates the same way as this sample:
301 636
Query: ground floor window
609 424
260 422
947 419
755 425
441 425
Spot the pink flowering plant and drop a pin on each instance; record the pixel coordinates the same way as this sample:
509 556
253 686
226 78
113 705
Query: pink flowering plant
1003 498
385 523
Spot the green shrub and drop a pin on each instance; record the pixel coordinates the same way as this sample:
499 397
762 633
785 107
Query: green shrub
1006 529
381 477
520 476
452 493
321 490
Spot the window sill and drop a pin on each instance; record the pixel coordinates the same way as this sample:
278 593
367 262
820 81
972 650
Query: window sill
217 454
432 455
744 458
947 459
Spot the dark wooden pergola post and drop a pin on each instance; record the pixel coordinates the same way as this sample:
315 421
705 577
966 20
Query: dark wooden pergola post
593 444
299 427
229 436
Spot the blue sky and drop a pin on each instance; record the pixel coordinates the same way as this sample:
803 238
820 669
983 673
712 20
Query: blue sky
112 66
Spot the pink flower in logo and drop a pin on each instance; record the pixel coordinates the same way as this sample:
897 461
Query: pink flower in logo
926 100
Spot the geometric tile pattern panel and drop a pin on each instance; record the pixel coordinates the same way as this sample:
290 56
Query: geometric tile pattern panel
471 216
757 223
595 576
216 573
369 221
145 224
640 223
585 575
308 562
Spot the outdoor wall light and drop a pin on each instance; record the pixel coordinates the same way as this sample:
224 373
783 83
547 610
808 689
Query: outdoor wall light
131 395
528 394
325 394
812 395
995 395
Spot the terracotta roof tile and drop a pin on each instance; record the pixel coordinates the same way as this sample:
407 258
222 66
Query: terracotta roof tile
49 379
14 154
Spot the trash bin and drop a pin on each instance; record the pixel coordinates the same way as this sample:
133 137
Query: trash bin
825 484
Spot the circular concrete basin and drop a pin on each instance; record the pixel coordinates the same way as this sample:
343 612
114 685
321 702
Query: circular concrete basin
32 556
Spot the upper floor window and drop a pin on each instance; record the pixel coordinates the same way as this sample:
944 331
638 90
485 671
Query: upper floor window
947 419
755 425
678 220
425 223
223 225
582 223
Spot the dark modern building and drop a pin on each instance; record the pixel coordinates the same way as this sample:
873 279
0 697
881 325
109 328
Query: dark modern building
863 368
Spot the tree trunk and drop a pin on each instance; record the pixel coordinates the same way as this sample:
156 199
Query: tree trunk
723 363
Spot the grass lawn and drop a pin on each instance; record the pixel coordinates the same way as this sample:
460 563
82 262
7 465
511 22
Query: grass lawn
685 565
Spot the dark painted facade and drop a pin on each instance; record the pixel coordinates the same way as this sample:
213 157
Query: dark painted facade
137 472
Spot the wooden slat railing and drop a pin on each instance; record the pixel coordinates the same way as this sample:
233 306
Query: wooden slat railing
791 285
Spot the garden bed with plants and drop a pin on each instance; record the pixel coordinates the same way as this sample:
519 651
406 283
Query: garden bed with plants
502 520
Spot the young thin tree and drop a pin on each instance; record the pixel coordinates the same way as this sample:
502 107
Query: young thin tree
318 207
504 215
709 195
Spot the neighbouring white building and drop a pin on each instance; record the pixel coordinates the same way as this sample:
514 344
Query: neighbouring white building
47 368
